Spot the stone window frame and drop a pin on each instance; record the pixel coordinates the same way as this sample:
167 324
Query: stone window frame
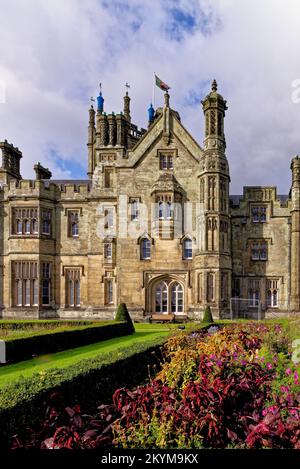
73 286
168 155
272 292
259 250
25 283
21 218
254 291
262 212
141 240
134 212
73 220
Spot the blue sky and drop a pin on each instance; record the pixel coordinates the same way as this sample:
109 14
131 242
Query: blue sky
57 52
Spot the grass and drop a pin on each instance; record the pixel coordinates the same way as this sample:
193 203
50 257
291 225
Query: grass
12 334
144 333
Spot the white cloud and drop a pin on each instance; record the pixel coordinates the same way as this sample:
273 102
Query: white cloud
53 55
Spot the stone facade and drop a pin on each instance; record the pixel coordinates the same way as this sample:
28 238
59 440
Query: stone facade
153 226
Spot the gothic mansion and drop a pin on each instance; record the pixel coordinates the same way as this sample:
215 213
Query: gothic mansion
153 226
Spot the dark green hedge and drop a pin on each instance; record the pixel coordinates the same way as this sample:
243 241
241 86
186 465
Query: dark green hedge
89 382
25 324
24 348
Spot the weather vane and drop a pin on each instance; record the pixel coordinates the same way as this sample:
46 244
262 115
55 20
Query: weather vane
100 86
127 85
92 100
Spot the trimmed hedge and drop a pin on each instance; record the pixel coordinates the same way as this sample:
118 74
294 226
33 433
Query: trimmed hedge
90 382
122 314
23 348
17 324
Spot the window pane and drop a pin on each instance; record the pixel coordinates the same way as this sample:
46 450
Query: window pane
75 229
19 293
188 250
77 293
146 249
27 292
19 227
27 227
71 292
46 292
35 292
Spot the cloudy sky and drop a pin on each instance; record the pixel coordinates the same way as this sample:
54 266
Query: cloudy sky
54 53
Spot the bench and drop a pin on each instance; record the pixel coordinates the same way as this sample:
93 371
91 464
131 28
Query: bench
162 317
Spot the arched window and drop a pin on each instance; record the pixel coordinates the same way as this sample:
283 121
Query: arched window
19 227
27 226
160 210
169 210
35 226
161 298
176 298
187 249
145 248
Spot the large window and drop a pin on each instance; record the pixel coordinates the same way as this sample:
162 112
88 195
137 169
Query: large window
210 287
259 250
25 221
73 223
254 292
272 293
165 162
145 248
46 283
109 291
259 214
169 297
25 283
73 287
46 222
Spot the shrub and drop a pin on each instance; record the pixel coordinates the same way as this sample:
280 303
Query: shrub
207 317
50 341
122 314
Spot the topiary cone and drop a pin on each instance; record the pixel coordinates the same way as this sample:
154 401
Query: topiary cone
207 317
122 314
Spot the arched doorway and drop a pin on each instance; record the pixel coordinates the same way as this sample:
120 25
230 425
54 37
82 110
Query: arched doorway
168 297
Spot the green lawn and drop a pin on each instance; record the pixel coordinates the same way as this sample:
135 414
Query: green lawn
144 333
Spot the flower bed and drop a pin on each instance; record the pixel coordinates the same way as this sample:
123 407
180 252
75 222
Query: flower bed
232 388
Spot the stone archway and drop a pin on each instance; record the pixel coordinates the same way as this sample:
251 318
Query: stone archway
167 296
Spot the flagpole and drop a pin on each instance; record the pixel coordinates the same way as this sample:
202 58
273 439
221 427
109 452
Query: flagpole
153 91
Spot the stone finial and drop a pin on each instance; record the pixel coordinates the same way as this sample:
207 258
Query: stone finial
214 86
41 172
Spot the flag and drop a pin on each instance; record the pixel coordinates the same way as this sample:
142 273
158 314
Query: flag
161 84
